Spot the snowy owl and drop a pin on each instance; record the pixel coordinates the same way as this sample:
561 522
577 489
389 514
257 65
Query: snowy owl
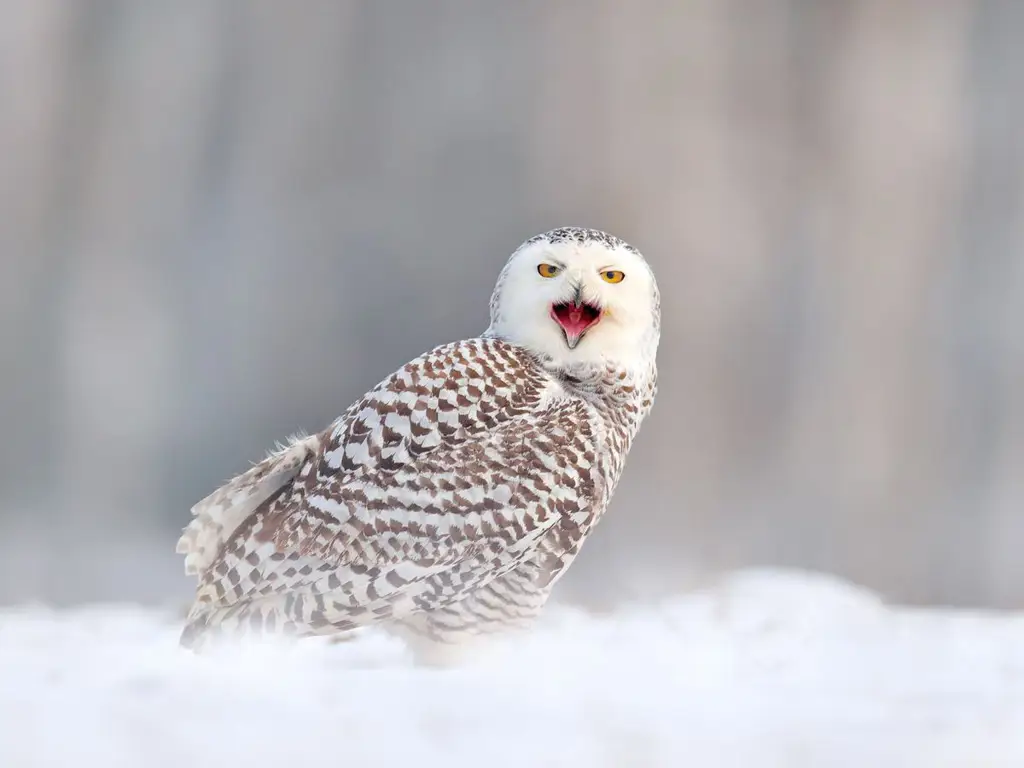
448 500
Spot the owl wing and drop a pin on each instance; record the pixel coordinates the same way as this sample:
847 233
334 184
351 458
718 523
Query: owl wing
509 601
441 478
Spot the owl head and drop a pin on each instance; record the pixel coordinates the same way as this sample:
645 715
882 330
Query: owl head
577 296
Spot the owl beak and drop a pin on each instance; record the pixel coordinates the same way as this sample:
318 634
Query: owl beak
575 318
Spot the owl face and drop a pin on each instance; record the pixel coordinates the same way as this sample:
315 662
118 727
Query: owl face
578 296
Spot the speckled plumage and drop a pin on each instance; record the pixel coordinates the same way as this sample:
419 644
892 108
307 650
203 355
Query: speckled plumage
449 499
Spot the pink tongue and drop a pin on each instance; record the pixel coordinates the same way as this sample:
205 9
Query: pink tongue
574 321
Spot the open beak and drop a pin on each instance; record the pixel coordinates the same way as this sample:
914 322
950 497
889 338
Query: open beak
575 318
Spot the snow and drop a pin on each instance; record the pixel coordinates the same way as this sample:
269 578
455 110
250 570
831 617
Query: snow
767 668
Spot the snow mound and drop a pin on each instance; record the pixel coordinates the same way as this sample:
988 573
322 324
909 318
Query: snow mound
766 669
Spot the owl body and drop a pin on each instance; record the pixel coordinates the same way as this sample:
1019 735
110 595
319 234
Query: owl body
447 501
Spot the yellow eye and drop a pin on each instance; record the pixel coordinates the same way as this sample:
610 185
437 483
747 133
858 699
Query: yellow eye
548 270
612 276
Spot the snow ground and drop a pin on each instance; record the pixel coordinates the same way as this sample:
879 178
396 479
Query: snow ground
768 668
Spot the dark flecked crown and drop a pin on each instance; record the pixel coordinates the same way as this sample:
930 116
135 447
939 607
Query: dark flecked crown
581 235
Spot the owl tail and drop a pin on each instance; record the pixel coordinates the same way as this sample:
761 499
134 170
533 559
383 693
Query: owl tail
217 516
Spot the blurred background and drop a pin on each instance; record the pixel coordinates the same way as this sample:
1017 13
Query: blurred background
221 222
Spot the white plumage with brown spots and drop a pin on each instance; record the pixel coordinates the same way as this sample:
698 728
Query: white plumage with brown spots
448 500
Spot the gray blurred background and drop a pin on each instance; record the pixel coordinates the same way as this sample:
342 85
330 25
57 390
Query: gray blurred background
221 222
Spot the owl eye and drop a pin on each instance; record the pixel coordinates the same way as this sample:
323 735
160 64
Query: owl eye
612 276
548 270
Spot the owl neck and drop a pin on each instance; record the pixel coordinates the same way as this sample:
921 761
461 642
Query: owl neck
624 395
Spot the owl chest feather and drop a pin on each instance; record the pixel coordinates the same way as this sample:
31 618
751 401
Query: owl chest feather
616 403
